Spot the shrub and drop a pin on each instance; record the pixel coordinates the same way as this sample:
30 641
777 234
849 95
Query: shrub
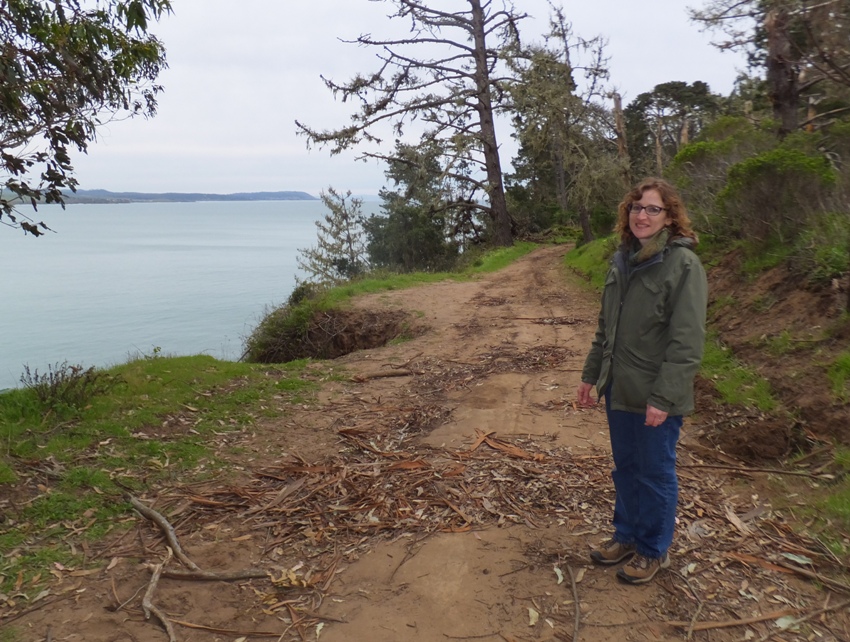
281 330
700 169
822 252
67 388
775 193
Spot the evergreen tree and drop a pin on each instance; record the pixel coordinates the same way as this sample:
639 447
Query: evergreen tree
340 253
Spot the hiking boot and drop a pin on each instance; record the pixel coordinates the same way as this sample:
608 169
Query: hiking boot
641 569
611 551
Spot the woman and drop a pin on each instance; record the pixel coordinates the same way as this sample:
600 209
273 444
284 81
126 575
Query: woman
643 359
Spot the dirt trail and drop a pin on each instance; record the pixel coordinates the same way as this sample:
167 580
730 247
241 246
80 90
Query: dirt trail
501 355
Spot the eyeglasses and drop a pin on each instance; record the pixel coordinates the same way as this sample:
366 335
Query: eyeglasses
651 210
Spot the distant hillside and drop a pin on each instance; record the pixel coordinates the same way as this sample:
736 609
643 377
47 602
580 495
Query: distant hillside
104 196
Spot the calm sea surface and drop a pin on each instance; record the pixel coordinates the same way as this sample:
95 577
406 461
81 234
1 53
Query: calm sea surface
119 280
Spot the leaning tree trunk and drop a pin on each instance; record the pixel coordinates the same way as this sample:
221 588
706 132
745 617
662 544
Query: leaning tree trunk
502 234
782 86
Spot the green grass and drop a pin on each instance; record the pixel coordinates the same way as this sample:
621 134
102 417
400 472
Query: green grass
760 258
839 376
736 383
722 302
156 427
781 344
591 260
491 261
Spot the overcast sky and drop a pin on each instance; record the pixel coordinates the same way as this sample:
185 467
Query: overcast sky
240 75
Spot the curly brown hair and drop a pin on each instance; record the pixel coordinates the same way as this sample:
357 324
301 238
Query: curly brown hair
680 225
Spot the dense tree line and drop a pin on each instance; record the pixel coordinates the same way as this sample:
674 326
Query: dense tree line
765 161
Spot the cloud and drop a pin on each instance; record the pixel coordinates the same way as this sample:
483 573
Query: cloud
239 77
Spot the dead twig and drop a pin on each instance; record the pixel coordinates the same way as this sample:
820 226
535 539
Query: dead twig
833 584
810 616
577 606
212 576
147 602
742 469
705 626
383 374
213 629
167 530
41 604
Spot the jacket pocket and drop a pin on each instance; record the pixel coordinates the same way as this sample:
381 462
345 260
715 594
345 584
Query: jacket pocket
653 306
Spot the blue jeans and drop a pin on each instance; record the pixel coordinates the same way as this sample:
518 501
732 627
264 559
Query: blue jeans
645 480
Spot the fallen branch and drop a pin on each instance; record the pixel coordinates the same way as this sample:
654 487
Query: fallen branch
705 626
810 616
833 584
212 576
147 601
742 469
383 374
167 530
41 604
253 634
577 616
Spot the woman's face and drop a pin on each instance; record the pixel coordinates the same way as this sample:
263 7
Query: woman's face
643 225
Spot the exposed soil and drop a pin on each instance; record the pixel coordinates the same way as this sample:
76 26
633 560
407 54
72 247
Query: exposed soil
447 488
789 333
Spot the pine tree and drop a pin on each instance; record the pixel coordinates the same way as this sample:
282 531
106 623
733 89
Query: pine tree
340 252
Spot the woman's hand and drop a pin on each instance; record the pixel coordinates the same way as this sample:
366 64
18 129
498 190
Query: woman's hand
654 416
585 399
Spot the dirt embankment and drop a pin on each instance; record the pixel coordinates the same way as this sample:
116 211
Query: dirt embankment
789 334
446 488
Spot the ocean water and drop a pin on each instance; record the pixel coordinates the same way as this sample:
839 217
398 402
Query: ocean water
118 281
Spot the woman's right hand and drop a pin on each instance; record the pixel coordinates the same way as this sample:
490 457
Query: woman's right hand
585 398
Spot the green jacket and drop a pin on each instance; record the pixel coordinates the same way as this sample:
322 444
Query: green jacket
651 331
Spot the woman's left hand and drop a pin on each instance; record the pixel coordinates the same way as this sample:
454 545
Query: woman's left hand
654 416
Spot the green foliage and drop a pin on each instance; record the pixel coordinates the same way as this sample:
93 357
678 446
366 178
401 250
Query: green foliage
700 169
495 260
66 389
762 256
839 375
340 252
736 383
67 67
821 252
657 119
781 344
7 473
282 332
775 192
409 238
592 259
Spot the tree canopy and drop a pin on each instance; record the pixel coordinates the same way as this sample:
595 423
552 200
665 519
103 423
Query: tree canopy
445 78
66 67
800 44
